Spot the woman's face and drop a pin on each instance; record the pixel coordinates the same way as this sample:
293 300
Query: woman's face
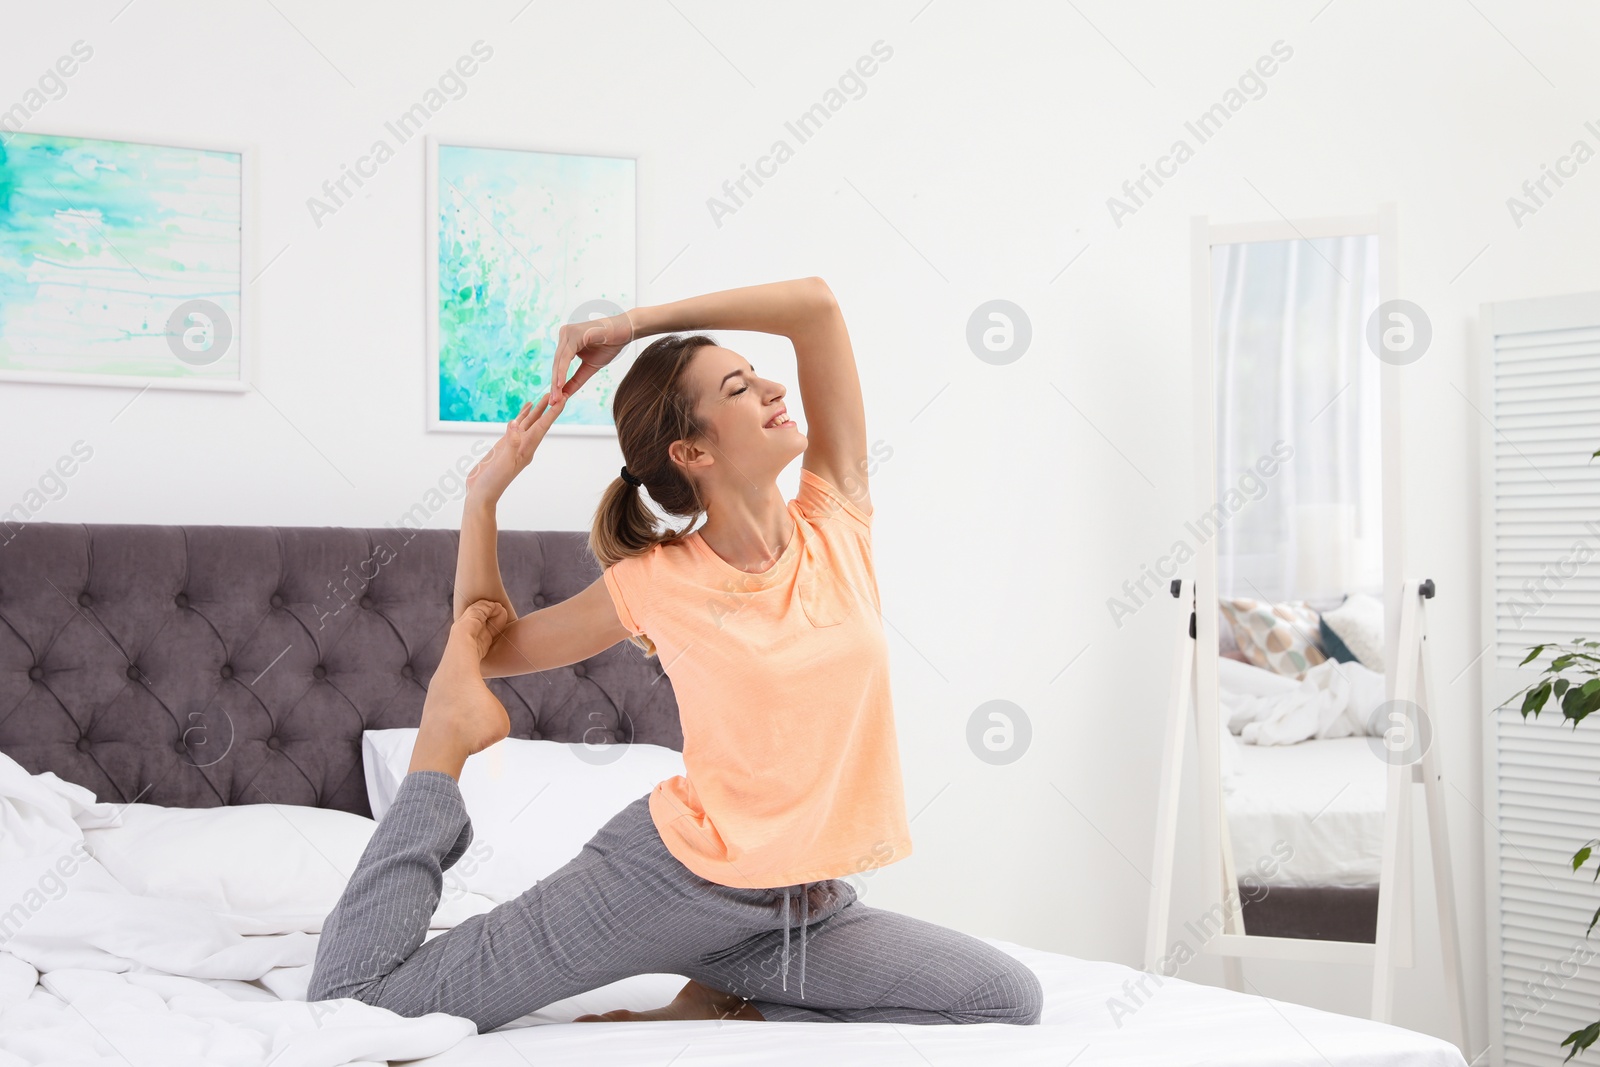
738 408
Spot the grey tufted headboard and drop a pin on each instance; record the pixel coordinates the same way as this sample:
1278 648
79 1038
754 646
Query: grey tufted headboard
194 666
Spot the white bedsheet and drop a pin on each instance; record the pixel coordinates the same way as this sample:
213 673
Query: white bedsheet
1172 1025
1325 799
91 973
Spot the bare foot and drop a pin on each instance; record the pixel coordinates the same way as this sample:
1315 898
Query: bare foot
694 1001
460 716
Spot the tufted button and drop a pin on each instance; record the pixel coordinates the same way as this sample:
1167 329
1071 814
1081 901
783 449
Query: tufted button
274 743
180 748
227 670
319 672
538 600
83 744
36 673
84 600
406 671
277 601
133 673
366 603
580 670
182 600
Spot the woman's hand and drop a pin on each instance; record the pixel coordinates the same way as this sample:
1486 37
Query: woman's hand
490 476
594 344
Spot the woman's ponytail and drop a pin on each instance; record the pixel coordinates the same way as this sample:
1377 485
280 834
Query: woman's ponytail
651 410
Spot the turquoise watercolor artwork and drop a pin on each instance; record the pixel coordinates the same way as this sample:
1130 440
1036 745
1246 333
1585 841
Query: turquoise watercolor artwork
524 242
120 263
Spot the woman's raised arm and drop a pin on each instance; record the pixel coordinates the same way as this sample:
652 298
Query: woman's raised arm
803 310
477 557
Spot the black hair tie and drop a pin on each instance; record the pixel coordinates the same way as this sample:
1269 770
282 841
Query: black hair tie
630 479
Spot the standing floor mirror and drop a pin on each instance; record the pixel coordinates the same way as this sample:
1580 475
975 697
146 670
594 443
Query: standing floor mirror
1297 478
1291 651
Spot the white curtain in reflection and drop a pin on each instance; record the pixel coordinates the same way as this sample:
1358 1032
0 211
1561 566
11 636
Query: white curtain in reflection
1293 366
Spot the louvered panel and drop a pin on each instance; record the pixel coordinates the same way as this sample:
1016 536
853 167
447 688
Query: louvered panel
1554 451
1535 554
1535 977
1558 774
1546 408
1548 806
1574 608
1540 380
1542 931
1550 885
1545 472
1514 346
1551 753
1545 832
1542 581
1546 492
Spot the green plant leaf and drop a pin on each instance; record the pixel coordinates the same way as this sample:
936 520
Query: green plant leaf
1580 857
1534 702
1581 701
1572 705
1533 655
1581 1039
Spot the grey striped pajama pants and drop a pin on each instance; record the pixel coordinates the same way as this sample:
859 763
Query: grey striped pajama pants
625 906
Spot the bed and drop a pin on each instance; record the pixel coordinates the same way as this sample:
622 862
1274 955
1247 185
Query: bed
1322 799
1326 799
147 668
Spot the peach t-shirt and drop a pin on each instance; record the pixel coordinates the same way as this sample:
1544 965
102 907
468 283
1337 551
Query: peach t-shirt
782 681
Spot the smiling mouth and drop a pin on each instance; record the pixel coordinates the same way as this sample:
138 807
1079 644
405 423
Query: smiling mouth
778 421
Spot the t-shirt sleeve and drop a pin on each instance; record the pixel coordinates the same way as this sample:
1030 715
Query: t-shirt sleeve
821 500
627 589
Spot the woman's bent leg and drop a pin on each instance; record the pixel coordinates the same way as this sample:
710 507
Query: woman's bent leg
383 913
870 965
579 928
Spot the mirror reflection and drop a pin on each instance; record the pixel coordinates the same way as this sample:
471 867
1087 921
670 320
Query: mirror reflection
1300 583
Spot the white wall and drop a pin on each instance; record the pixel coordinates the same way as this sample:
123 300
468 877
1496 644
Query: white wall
977 165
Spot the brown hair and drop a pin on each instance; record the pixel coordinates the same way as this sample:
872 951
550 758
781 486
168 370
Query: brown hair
652 408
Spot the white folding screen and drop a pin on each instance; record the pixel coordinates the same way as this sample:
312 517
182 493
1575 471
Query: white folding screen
1540 398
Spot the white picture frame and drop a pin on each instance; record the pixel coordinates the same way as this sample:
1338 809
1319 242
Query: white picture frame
242 318
436 419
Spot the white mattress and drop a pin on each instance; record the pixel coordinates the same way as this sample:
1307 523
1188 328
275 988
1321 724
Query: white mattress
1323 799
1178 1023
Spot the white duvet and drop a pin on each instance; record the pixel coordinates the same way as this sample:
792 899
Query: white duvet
92 973
1332 700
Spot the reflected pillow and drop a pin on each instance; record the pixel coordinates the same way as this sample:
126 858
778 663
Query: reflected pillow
1336 648
1358 624
1225 641
1284 638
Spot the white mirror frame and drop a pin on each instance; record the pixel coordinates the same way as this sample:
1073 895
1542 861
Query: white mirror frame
1394 943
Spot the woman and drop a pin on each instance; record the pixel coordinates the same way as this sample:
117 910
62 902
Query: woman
766 620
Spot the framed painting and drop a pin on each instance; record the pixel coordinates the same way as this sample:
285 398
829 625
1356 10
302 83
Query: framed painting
122 263
521 242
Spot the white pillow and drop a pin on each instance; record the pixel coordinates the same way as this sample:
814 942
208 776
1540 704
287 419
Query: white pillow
283 863
1358 622
533 804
